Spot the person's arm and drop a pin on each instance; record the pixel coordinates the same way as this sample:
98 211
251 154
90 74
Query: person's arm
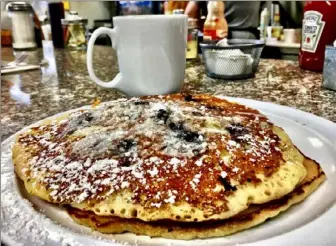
192 9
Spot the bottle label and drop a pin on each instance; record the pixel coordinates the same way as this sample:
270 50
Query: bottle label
209 35
312 28
221 34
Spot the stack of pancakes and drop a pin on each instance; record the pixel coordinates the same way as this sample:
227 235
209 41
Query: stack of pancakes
176 166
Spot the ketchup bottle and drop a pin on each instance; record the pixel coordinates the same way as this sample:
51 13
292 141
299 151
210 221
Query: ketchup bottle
318 30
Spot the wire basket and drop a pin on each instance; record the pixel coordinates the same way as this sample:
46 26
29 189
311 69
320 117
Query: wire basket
238 60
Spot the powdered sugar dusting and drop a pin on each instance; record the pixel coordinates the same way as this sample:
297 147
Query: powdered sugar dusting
147 146
96 163
21 224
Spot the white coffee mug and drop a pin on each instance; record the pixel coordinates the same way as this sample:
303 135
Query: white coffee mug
151 52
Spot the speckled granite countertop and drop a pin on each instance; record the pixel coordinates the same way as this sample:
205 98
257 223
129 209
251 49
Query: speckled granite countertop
65 85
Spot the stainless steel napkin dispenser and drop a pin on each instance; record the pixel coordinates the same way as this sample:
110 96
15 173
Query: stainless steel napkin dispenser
329 68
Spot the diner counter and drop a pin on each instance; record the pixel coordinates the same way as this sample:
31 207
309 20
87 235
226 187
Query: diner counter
65 84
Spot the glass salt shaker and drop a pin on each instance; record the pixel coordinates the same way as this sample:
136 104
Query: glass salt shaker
23 33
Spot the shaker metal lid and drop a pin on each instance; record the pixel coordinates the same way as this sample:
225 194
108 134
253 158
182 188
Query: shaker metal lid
19 6
73 18
192 23
178 12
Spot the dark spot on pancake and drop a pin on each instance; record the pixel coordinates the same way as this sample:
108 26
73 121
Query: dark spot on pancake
126 145
275 137
196 113
189 136
124 161
85 118
88 116
170 229
175 126
71 131
267 193
300 190
95 144
134 213
163 147
141 102
162 115
195 151
188 98
226 184
237 131
212 107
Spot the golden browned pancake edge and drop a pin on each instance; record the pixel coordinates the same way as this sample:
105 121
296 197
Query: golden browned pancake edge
255 215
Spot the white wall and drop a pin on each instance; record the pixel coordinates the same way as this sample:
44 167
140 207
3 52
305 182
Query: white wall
6 22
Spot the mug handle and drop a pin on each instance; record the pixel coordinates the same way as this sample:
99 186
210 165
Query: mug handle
112 33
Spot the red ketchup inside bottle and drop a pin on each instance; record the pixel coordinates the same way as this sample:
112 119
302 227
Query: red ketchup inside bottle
318 30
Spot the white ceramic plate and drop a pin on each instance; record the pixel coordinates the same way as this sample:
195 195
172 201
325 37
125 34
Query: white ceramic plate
27 220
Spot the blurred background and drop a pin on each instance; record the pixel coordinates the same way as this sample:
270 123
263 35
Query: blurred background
285 17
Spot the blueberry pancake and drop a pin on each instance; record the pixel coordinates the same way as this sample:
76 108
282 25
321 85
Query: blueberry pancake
179 157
